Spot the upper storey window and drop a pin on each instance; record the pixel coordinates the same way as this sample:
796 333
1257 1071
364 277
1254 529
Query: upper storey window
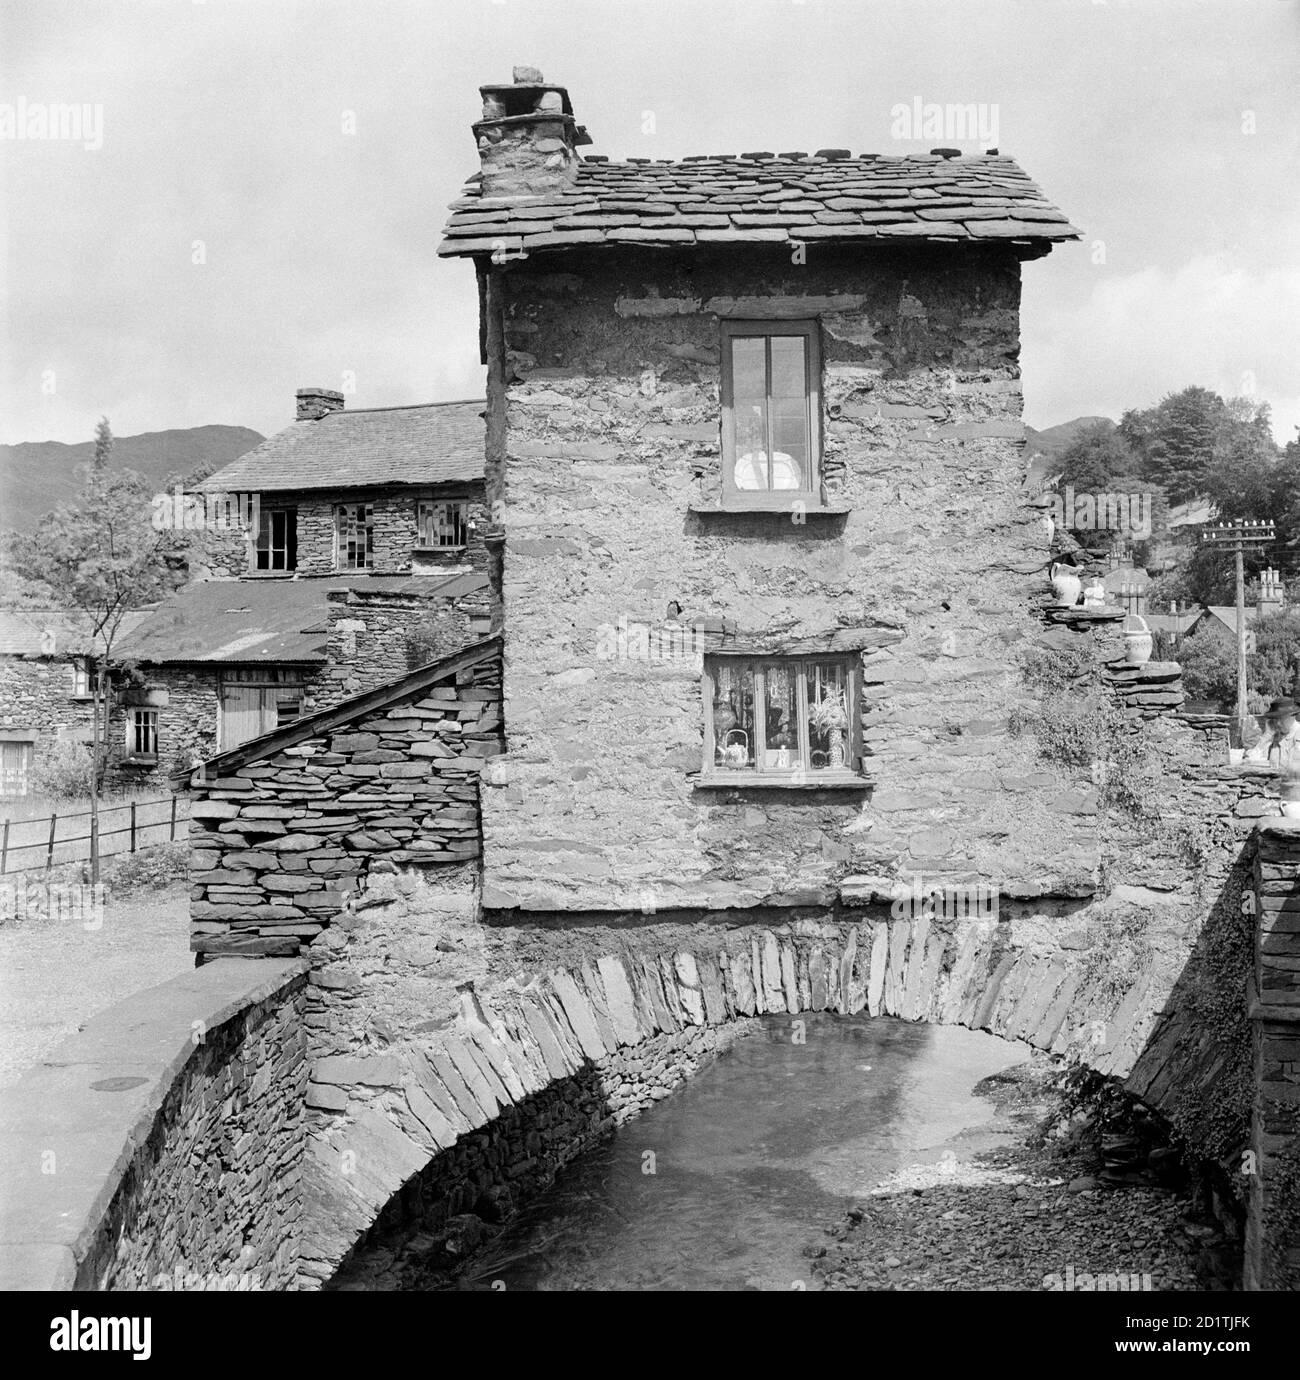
771 406
276 544
354 536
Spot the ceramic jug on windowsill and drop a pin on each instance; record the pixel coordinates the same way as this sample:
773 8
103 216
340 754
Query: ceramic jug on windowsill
1067 584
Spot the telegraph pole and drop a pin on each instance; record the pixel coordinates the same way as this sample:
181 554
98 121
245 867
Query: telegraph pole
1238 538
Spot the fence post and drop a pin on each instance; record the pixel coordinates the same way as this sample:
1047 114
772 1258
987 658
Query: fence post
49 849
133 826
173 838
4 850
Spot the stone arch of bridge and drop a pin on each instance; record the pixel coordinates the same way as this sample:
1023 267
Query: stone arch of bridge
416 1132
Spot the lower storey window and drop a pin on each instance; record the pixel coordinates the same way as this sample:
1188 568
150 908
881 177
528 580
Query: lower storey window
781 716
15 764
142 733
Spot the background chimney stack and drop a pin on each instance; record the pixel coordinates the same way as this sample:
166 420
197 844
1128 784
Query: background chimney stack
314 403
1271 594
527 138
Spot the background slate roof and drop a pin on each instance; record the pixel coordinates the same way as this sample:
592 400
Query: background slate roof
21 631
432 443
737 199
269 621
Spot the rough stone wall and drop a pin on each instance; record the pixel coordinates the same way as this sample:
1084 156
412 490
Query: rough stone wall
396 530
184 1174
607 377
1273 1234
373 635
276 847
212 1198
36 696
186 700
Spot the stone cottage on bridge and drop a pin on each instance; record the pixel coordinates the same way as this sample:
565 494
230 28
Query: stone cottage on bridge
767 408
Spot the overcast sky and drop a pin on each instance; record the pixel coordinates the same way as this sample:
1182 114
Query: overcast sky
233 239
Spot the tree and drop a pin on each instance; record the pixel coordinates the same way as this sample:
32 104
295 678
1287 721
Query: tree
1209 667
1176 439
102 557
103 446
1096 453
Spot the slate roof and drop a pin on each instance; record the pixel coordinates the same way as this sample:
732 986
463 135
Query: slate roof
729 199
1227 615
22 632
273 622
430 443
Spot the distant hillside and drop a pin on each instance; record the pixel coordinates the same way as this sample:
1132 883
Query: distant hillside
1054 439
36 476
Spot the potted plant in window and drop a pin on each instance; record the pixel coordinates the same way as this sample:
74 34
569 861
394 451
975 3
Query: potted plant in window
829 716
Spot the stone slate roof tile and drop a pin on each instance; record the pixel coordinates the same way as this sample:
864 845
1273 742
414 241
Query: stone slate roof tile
432 443
730 199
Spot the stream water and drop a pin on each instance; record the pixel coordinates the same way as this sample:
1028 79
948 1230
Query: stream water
721 1185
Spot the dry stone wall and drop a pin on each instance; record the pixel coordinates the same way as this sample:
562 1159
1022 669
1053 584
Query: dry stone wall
177 1142
278 844
1273 1233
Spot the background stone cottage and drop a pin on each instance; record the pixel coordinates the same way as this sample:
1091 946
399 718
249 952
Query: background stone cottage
369 558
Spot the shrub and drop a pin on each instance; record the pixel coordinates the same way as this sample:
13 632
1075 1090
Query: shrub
151 869
62 774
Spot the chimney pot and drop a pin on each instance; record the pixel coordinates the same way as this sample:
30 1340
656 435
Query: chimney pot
315 403
527 139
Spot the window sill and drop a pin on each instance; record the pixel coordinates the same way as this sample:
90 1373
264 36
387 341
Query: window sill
272 574
438 550
773 781
87 698
140 761
782 505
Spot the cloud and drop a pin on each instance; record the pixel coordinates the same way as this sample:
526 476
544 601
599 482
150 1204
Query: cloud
1137 336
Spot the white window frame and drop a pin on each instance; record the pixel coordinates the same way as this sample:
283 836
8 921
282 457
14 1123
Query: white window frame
138 717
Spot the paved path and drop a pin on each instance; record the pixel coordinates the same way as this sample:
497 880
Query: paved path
54 975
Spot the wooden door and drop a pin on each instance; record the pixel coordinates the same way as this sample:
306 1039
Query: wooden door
241 715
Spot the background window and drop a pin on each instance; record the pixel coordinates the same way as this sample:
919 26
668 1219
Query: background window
143 733
770 407
443 525
780 716
81 678
355 526
276 547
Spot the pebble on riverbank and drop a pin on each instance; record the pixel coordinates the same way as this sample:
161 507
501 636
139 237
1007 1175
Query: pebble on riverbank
1022 1218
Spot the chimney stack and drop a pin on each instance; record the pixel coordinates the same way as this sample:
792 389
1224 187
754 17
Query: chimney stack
527 138
314 403
1271 596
